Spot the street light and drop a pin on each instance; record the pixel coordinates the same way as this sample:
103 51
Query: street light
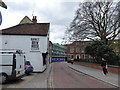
2 4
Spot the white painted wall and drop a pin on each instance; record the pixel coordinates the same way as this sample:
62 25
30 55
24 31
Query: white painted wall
24 43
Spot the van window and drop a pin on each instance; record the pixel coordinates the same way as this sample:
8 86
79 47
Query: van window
14 61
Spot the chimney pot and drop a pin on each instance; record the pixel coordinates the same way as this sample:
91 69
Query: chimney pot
34 20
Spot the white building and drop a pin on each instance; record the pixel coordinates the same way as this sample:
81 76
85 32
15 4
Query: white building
32 38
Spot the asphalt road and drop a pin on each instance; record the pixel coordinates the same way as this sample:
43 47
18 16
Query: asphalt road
64 77
61 76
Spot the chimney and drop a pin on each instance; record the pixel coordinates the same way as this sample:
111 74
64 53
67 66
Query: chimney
34 20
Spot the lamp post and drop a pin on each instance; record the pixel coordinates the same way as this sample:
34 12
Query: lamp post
0 18
2 4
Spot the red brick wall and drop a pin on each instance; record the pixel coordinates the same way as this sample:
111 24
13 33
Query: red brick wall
112 70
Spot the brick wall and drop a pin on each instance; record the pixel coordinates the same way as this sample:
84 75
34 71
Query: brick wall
96 66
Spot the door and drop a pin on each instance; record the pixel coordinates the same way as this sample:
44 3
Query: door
20 65
77 57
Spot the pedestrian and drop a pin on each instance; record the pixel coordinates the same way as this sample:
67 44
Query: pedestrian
104 66
72 61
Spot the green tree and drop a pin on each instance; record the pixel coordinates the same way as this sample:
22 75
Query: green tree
116 47
100 50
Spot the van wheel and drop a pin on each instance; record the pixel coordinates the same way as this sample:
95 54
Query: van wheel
3 78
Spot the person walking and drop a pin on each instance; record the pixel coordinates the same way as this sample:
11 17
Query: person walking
104 66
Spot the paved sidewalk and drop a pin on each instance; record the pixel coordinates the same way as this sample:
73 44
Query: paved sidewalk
35 80
98 74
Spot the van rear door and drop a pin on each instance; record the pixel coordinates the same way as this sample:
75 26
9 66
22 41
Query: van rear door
20 70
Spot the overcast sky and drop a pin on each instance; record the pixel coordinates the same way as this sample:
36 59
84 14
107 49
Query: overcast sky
59 13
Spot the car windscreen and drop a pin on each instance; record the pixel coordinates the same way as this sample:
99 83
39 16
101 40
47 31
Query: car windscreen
27 63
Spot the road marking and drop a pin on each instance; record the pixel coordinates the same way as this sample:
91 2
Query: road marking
51 79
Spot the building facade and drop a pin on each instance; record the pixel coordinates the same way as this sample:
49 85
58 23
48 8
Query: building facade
32 38
75 51
58 52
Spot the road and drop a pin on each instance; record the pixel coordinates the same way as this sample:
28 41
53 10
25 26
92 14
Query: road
64 77
61 76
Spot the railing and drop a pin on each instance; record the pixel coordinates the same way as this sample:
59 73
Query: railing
93 62
113 66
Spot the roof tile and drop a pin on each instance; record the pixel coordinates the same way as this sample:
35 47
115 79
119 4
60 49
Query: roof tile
37 29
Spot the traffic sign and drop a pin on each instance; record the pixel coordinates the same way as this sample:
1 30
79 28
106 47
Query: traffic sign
0 18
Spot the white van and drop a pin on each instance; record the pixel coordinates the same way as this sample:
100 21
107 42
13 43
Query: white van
12 64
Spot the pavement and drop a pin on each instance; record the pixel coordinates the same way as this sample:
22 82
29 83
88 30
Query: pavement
110 78
35 80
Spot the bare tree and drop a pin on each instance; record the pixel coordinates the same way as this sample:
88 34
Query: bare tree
96 20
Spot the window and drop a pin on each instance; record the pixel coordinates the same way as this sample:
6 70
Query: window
72 50
34 43
77 56
77 43
27 63
77 50
71 56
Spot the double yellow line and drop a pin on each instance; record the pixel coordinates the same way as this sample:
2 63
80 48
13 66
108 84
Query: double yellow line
51 79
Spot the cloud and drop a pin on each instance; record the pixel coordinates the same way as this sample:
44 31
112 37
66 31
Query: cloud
57 33
58 13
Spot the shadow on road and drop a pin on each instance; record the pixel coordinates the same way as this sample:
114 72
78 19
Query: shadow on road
17 81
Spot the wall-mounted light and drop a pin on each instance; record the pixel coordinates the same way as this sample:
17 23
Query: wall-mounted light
5 42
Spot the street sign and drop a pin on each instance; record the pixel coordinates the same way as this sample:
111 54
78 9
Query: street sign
2 4
58 60
0 18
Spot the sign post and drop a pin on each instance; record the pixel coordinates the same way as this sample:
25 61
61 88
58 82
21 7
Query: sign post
2 4
0 18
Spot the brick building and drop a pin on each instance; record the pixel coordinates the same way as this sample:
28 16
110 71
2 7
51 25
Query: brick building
75 51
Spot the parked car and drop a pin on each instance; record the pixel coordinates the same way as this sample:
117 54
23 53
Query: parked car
70 61
28 67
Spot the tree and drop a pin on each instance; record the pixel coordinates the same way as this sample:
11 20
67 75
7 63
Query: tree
96 20
100 50
116 47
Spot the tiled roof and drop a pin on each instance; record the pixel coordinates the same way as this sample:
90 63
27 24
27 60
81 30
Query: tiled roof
36 29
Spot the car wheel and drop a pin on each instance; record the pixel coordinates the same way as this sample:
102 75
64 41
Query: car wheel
3 78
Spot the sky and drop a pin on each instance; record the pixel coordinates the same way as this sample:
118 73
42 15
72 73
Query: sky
59 13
